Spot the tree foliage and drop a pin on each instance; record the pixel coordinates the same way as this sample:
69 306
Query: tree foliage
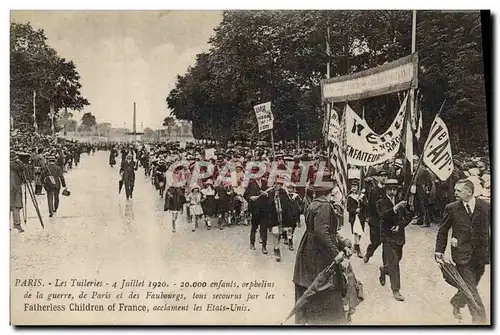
280 56
88 122
36 67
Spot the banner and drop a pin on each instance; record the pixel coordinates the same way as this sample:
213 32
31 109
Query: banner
437 150
333 127
393 77
365 147
264 116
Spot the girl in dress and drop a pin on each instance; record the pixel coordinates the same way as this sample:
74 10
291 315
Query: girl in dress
194 200
208 203
175 199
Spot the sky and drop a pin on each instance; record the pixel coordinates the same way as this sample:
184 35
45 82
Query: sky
126 56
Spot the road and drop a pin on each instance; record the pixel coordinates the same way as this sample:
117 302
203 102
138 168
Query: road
98 234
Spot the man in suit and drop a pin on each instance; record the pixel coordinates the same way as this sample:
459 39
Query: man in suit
392 236
53 178
375 193
127 171
38 164
469 219
16 191
260 208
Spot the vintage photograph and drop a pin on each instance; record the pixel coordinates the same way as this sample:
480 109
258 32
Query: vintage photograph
250 167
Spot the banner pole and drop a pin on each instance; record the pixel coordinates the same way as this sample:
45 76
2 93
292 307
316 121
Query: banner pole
272 144
414 175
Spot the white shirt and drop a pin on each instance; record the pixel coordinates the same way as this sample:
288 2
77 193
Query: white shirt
472 204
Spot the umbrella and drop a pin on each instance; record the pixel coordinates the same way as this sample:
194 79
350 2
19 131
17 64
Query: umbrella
120 185
453 277
320 283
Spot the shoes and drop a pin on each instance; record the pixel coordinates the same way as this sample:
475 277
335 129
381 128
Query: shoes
290 245
456 313
277 253
381 277
252 247
19 229
358 251
398 296
366 259
264 251
51 215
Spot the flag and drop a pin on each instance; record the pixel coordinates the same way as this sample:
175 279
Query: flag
416 118
324 130
437 150
338 158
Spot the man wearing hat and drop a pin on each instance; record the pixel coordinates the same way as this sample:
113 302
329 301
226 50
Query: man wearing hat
318 248
53 178
392 235
38 164
127 171
16 191
260 208
375 193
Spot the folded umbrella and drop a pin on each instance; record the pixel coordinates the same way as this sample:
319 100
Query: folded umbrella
319 284
453 277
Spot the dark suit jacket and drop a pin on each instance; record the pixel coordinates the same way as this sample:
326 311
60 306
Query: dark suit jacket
260 207
473 235
375 194
128 170
390 219
56 172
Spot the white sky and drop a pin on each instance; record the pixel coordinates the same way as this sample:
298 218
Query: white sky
126 56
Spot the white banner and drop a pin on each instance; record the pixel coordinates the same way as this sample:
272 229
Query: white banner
365 147
264 116
396 76
437 150
333 127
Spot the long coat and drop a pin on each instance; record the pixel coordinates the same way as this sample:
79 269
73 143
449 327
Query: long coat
473 235
16 193
112 156
319 245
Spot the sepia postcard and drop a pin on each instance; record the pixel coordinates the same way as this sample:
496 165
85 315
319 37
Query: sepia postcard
250 167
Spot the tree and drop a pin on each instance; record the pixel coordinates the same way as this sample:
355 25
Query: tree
88 122
169 122
36 67
280 56
71 125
